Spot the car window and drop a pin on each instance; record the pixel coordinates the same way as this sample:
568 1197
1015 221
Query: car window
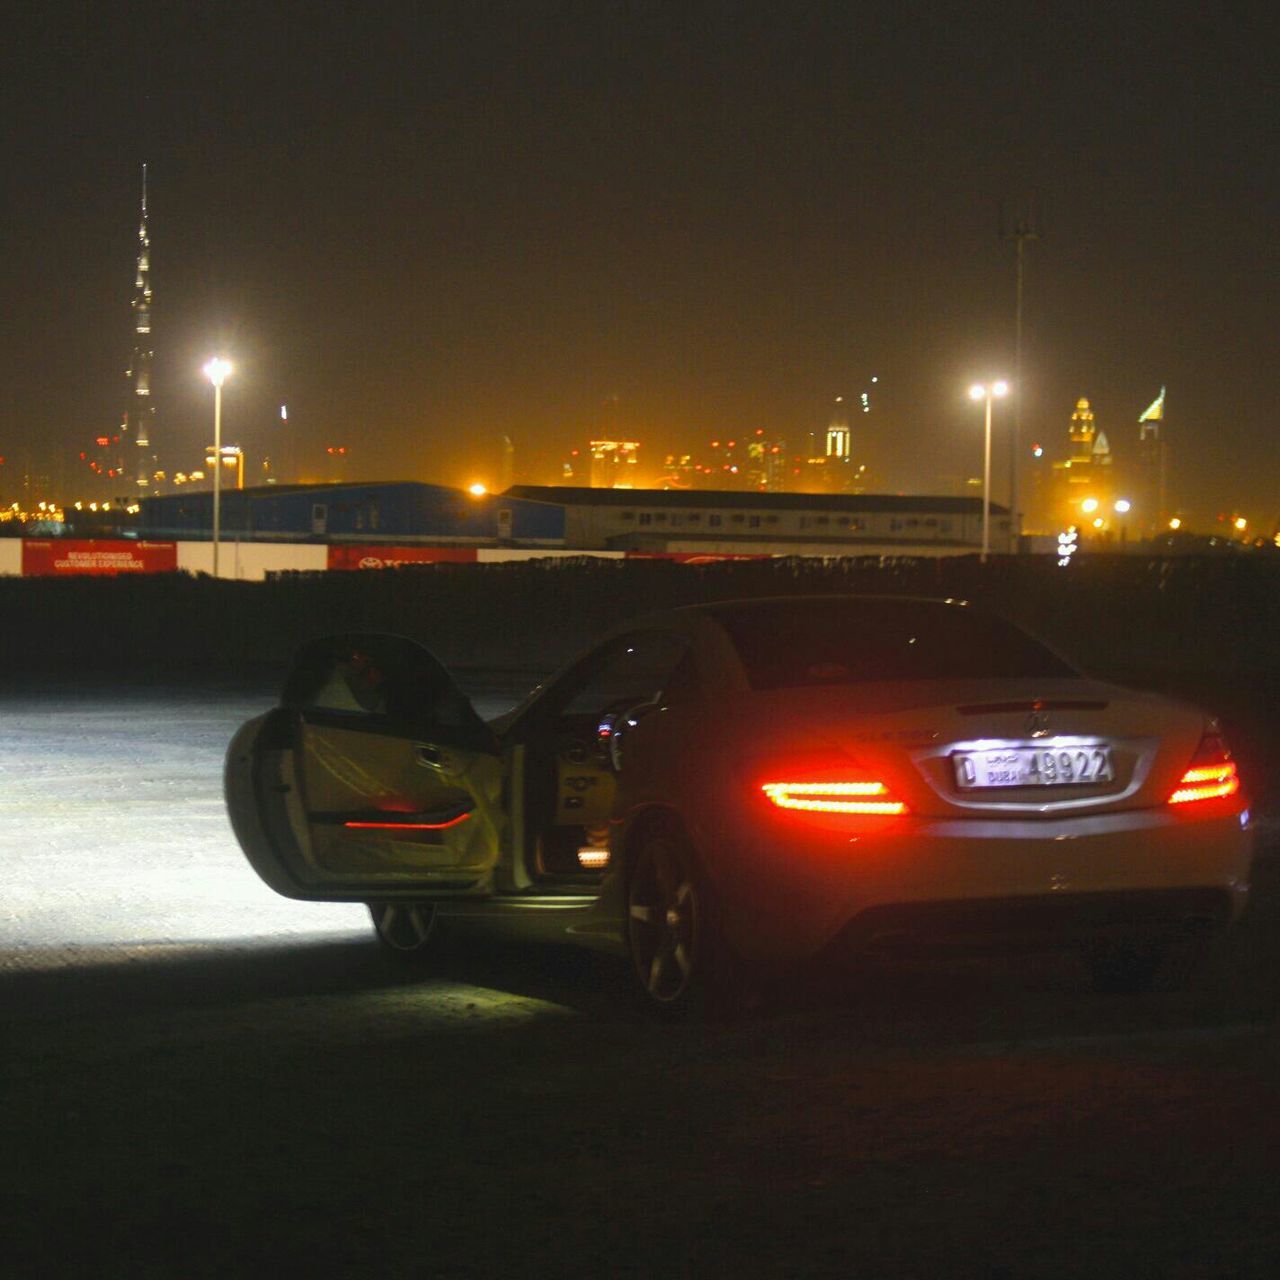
387 679
636 669
837 642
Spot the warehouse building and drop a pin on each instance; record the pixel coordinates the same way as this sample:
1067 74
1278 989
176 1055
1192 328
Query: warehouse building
653 521
726 523
399 511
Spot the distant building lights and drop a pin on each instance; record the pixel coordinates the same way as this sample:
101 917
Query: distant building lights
1241 523
1068 545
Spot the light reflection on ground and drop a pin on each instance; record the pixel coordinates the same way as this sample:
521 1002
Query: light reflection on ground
113 831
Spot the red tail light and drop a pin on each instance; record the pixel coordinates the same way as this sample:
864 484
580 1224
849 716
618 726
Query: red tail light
850 795
1210 776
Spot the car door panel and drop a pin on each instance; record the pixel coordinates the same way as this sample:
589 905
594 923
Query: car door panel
345 796
386 805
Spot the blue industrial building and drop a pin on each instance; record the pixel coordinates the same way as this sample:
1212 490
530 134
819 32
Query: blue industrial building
400 511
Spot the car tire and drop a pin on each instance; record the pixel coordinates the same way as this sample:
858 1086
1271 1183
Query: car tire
406 930
679 962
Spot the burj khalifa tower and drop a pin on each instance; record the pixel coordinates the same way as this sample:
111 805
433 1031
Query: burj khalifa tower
140 416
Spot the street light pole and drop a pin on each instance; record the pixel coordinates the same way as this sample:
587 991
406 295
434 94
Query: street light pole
1024 230
986 393
986 484
216 371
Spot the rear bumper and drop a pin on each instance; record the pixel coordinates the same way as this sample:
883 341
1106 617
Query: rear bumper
798 885
1029 924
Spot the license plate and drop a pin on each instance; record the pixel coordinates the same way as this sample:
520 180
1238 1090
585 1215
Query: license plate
1033 767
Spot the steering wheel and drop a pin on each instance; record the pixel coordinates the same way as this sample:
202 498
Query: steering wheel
616 722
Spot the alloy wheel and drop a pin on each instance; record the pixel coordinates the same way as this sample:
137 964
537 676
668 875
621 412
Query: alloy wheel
665 921
403 927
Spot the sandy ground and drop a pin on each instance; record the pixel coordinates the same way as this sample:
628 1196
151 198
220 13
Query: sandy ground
200 1078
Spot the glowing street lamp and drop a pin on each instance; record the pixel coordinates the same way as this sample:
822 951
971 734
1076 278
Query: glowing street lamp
477 490
216 371
986 392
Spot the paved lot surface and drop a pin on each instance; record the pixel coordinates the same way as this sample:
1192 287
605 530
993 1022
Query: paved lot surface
200 1078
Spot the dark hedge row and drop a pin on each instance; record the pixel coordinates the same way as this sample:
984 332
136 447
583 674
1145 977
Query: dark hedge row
1120 615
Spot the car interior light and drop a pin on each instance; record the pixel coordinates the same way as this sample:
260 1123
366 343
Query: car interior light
592 859
866 797
392 825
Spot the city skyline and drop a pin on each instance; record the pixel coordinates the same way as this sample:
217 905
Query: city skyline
425 231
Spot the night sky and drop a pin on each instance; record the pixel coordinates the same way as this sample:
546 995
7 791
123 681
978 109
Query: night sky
425 225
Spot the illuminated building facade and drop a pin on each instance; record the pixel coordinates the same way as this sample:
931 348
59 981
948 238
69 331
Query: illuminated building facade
727 467
139 421
1085 476
679 471
839 438
1153 464
104 462
766 470
613 463
829 466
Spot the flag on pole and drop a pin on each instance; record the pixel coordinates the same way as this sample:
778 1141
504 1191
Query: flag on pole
1155 410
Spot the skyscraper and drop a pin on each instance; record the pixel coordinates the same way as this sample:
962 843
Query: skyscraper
140 416
1153 466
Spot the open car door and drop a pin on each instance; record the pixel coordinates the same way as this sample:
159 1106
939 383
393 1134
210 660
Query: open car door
374 778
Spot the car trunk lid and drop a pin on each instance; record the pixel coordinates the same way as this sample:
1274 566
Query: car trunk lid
1023 747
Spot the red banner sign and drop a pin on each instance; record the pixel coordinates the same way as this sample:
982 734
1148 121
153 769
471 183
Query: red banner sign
352 557
59 558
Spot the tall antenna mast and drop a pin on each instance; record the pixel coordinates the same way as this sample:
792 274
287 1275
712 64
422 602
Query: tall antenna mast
1025 228
141 416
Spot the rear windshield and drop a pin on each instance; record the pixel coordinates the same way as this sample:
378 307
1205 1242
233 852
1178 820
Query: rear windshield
818 642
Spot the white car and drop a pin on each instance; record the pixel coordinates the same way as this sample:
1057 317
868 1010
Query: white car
730 788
